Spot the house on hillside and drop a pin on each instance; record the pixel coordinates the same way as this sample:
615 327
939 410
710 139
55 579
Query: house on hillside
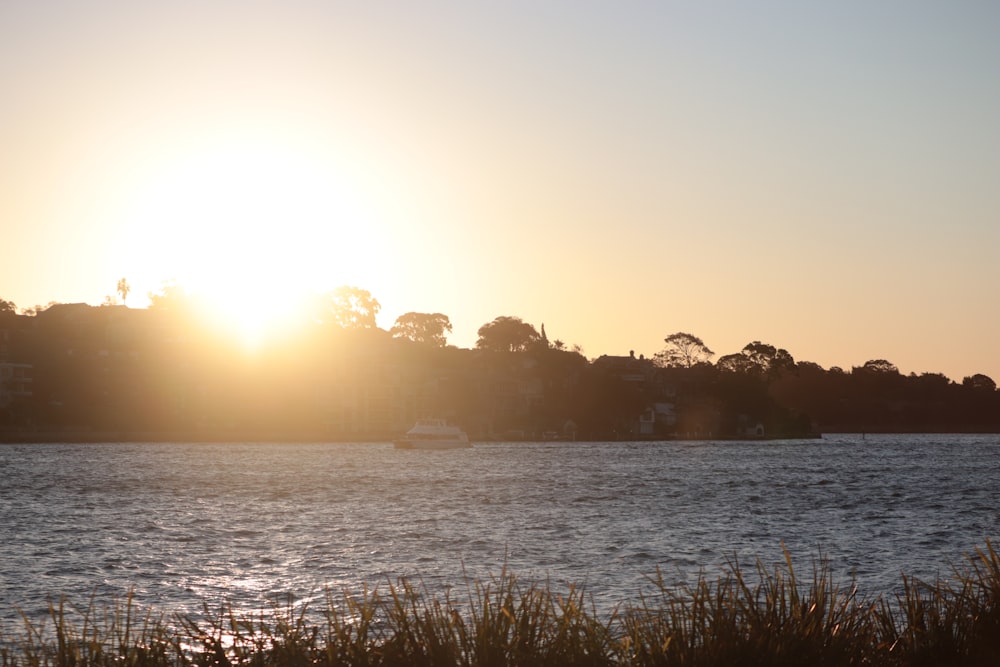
632 369
657 420
656 415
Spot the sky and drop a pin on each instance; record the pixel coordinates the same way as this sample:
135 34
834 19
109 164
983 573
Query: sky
820 176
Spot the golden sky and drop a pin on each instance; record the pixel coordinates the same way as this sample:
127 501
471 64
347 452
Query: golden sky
824 177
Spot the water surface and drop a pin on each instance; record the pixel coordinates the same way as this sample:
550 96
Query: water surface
184 524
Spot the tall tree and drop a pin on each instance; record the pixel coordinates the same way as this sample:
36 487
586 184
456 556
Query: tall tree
878 366
172 297
123 288
979 381
683 350
759 359
352 308
735 363
768 359
426 328
506 334
7 307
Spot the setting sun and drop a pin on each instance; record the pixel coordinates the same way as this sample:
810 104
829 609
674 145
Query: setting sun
250 228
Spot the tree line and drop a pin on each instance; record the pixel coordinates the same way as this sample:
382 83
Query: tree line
112 369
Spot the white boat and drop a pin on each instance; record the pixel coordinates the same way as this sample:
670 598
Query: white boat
433 434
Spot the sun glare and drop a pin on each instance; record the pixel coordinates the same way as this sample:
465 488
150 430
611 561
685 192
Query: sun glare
251 229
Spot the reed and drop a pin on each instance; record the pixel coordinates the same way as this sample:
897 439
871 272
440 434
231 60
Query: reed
120 636
773 621
948 622
763 615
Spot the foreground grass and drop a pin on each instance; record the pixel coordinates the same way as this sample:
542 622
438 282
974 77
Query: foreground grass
758 617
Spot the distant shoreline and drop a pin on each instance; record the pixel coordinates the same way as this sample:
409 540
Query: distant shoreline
83 436
72 436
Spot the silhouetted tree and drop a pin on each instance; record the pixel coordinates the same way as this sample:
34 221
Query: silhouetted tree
426 328
980 382
757 358
352 308
123 288
683 350
768 359
878 366
931 382
172 297
810 367
506 334
735 363
7 307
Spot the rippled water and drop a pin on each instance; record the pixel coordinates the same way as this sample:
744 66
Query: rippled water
183 524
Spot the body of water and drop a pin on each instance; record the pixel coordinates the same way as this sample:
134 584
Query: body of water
253 524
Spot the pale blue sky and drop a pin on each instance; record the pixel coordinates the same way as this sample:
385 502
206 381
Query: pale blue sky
819 176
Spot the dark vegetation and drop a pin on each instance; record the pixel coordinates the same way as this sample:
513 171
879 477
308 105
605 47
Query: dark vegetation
74 371
763 616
